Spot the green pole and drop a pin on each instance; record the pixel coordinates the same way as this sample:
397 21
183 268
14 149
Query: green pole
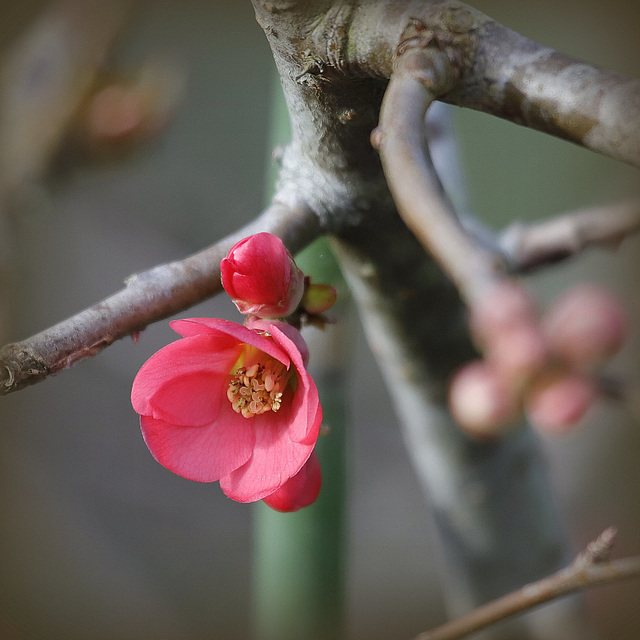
299 557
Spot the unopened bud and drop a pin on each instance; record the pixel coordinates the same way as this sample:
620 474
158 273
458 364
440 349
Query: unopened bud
262 277
558 400
480 401
585 327
318 298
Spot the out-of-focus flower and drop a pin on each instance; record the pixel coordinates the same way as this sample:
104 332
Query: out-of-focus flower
232 403
586 326
556 401
481 401
541 366
299 491
262 277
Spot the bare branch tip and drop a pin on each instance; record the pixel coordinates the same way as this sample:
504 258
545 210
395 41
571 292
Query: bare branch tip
598 550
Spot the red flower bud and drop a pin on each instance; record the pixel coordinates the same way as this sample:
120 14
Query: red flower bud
262 277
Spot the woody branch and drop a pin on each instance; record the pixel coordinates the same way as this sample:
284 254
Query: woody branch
147 297
494 73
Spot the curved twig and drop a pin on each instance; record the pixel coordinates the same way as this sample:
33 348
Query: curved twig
148 297
541 243
420 76
590 568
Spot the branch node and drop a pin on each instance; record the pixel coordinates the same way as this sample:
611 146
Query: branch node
449 30
312 71
20 367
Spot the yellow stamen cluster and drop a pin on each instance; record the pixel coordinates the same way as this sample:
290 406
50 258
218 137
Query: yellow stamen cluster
256 389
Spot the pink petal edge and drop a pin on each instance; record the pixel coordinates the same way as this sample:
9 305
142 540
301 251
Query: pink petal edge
198 326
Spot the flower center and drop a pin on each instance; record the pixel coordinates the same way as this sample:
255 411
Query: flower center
258 387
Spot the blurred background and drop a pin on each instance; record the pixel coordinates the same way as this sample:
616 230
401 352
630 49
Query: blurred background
97 540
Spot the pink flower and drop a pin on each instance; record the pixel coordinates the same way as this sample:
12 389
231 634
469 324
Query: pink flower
230 403
299 491
262 277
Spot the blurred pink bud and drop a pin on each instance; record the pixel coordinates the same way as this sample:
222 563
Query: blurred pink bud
262 277
518 353
116 112
557 401
299 491
480 401
505 305
585 326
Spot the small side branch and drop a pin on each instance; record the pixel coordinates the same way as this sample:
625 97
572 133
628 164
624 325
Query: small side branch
590 568
148 297
420 76
530 246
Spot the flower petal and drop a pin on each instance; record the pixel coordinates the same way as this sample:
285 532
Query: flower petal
275 458
306 414
219 327
204 454
184 383
299 491
261 324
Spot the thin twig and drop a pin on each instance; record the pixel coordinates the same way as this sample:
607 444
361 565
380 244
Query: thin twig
591 567
419 77
530 246
148 297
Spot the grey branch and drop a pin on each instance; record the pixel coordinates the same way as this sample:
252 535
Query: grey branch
475 63
520 80
510 76
534 245
148 297
590 568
